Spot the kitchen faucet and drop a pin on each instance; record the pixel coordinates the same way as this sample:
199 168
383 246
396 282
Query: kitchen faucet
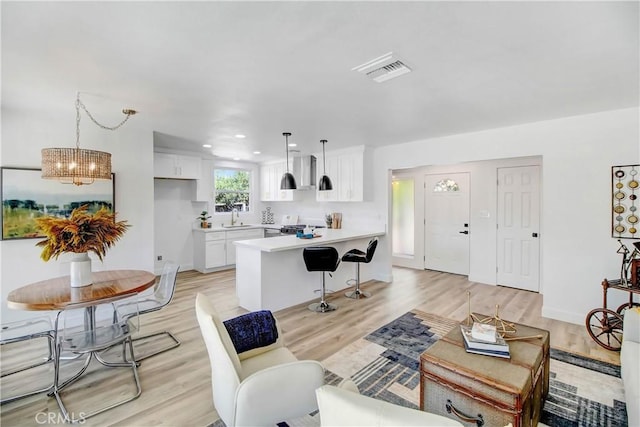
237 215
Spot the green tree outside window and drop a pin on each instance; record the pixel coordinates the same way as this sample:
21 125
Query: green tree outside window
232 190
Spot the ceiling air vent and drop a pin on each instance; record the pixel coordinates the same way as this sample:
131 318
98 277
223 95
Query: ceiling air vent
383 68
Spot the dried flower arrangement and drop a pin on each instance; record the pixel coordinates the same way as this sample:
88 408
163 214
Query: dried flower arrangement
81 232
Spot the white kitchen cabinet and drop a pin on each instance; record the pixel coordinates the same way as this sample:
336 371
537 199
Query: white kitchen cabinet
267 186
215 250
176 166
350 172
215 254
204 184
209 250
346 168
270 176
235 235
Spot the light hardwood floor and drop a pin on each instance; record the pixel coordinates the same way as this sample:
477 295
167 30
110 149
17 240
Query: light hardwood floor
177 384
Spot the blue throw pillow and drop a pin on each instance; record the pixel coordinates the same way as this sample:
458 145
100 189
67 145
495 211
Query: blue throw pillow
252 330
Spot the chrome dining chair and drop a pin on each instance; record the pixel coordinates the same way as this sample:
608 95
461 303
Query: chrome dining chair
17 332
147 302
89 330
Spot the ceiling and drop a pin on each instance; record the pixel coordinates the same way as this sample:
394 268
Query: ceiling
202 72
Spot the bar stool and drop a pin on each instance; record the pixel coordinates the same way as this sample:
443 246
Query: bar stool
357 256
325 259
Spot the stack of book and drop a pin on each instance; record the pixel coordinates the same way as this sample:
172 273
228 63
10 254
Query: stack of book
483 339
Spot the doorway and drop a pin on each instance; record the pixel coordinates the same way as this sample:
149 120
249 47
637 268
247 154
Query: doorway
403 219
446 228
518 220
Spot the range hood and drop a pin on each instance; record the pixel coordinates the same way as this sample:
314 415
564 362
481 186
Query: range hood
304 170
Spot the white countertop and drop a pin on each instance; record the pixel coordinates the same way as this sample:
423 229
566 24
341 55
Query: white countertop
328 236
242 227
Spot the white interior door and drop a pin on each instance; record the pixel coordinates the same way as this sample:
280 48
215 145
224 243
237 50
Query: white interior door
446 200
518 227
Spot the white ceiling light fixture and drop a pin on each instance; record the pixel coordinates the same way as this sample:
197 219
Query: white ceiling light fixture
383 68
240 136
76 165
256 152
206 145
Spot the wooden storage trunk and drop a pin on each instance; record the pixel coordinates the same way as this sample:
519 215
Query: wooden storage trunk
486 390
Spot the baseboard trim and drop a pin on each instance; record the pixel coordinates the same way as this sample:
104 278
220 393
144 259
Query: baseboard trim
183 267
563 315
387 278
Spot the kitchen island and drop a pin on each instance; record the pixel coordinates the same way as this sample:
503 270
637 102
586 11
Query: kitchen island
271 274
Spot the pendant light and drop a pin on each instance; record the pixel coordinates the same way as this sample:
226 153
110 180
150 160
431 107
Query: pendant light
77 165
325 181
288 182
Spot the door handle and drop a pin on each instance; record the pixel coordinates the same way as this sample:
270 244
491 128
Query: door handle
464 232
534 234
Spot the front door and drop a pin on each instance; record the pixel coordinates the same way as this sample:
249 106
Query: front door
447 222
519 227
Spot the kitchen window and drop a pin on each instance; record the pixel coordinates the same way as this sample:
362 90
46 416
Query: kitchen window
232 190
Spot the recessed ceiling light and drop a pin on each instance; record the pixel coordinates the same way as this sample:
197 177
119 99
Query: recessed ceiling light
293 144
236 158
206 145
240 136
256 152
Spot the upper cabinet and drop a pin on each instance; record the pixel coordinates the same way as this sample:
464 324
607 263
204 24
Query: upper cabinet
351 177
204 184
270 176
347 170
176 166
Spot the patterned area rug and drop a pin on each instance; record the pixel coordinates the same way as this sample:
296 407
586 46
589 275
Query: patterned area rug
385 365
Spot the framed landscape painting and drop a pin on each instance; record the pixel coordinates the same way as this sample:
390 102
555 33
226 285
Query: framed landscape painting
26 196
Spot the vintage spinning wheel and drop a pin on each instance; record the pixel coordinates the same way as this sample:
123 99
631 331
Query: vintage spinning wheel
605 327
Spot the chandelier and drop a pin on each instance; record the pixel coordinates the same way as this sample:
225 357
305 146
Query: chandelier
76 165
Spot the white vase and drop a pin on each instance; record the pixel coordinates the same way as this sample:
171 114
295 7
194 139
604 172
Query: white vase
80 270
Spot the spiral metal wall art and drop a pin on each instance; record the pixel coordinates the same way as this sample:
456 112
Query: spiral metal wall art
625 189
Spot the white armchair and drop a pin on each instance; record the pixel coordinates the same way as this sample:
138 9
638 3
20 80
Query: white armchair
629 357
258 387
341 407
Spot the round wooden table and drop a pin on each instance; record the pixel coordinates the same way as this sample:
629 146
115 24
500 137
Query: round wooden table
57 293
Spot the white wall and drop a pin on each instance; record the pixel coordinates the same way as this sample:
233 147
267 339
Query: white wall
577 250
482 211
24 134
175 214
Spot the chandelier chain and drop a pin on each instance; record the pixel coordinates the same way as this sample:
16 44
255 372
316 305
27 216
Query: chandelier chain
79 105
101 125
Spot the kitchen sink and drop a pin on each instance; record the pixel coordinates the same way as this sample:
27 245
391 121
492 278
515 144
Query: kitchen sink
236 226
